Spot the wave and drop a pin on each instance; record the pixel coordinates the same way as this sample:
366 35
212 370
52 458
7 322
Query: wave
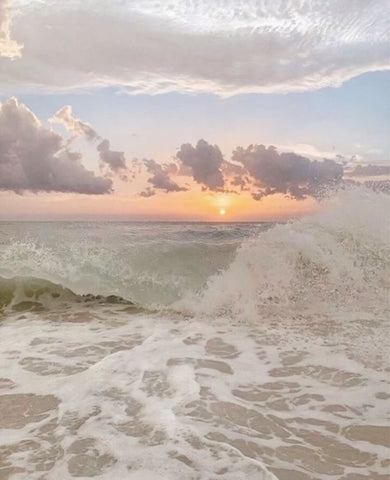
337 257
22 294
153 265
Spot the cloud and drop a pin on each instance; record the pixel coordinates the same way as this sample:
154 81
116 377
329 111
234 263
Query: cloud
8 47
36 159
369 171
205 162
74 125
161 178
148 192
287 173
223 47
115 161
260 170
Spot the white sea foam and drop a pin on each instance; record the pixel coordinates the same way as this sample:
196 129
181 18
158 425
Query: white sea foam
339 256
267 357
146 396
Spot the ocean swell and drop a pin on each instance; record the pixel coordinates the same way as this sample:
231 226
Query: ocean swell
337 257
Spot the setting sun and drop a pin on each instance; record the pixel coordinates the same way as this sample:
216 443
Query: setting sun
198 190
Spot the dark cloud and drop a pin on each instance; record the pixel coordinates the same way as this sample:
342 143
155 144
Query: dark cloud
369 171
161 177
272 172
257 169
260 170
115 161
235 175
36 159
148 192
239 181
205 162
8 47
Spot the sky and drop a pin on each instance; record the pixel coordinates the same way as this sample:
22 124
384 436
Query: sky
233 110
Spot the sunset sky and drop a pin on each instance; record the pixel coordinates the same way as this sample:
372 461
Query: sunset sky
189 110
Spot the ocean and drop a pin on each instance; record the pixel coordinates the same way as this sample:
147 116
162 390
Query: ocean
197 351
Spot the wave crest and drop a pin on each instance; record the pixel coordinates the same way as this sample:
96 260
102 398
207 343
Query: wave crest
336 257
36 294
339 256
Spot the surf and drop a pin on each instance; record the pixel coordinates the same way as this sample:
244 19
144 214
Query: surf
21 294
337 256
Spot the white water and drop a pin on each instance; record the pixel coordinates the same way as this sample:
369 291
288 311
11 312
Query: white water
153 264
267 356
337 257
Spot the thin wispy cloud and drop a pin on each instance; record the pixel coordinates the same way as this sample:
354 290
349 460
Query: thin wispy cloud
219 46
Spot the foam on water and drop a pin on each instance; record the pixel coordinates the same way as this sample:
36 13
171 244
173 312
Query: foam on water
152 264
267 358
337 257
340 254
111 395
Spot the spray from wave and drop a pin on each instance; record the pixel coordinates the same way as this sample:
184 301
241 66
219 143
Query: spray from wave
88 389
338 256
151 264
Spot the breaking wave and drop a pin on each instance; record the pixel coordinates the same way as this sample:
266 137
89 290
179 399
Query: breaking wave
338 256
299 391
36 294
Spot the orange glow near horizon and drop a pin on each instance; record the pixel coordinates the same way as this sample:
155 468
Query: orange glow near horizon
181 206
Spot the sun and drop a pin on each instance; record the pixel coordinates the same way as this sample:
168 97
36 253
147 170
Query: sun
221 204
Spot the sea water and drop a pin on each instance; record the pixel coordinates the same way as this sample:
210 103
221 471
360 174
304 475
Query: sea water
203 352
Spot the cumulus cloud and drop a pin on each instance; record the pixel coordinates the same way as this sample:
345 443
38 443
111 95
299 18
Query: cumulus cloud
161 177
205 162
287 173
36 159
8 47
115 161
260 170
221 46
369 171
74 125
